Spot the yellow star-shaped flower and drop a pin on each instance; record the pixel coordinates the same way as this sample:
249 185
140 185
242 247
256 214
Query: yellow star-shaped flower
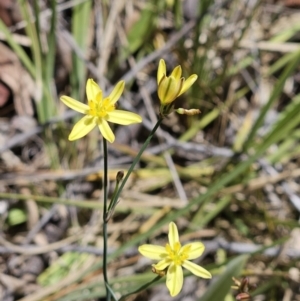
99 111
171 87
174 256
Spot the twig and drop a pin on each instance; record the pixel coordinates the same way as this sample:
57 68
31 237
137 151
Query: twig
29 250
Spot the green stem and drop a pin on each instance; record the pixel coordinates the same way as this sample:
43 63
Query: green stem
111 292
143 287
105 182
137 158
110 207
114 202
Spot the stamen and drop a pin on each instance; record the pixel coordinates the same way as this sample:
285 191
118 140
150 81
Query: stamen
178 255
100 107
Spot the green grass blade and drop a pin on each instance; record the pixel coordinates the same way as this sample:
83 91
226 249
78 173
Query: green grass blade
50 56
220 287
281 62
80 29
143 28
22 55
33 34
286 34
274 96
288 120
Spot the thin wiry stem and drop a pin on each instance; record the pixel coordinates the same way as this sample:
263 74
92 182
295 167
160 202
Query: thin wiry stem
105 182
136 159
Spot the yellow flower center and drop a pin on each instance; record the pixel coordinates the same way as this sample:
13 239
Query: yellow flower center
178 255
100 107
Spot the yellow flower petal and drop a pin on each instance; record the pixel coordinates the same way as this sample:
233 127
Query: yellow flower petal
171 87
82 127
153 252
188 83
168 89
176 73
116 92
161 265
123 117
105 130
92 89
75 104
195 249
174 279
173 234
161 71
196 269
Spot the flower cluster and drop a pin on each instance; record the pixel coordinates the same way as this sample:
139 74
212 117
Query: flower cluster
99 111
173 257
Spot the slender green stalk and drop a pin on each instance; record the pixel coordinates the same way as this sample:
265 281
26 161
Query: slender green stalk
115 199
111 209
137 158
105 182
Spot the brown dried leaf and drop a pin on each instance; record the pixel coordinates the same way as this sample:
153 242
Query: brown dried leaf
4 94
17 79
292 3
9 12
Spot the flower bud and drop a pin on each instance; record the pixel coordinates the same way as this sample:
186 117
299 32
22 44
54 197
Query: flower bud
171 87
120 176
158 272
189 112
